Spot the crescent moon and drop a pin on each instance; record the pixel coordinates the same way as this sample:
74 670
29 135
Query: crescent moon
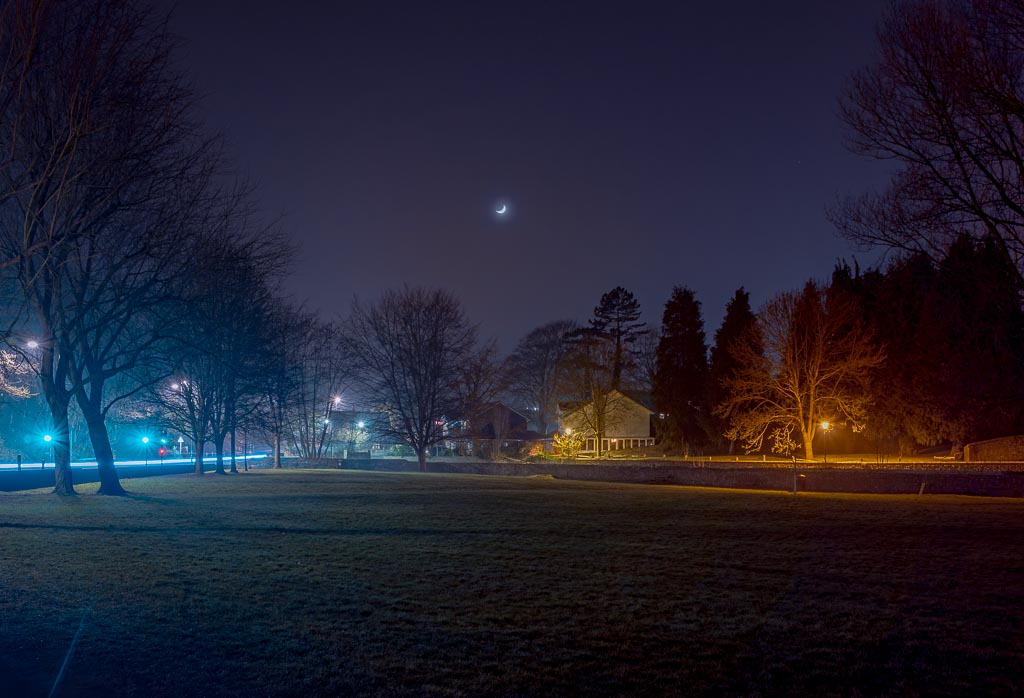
501 210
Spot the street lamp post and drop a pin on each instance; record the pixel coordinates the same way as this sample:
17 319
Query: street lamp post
825 426
145 449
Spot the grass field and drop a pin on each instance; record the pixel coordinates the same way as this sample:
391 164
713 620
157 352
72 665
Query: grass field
336 583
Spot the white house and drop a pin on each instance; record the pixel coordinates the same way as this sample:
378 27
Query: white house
626 421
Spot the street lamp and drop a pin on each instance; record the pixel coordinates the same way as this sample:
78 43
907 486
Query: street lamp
145 448
825 426
49 439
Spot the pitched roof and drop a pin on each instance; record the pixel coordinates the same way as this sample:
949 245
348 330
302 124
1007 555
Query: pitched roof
639 397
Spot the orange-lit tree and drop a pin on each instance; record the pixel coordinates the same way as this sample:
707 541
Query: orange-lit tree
816 363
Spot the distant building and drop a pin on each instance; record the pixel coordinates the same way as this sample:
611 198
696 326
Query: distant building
626 416
499 421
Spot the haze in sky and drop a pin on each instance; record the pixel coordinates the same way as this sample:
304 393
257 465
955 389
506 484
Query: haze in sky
645 146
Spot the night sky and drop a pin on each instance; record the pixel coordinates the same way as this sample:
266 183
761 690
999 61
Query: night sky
637 144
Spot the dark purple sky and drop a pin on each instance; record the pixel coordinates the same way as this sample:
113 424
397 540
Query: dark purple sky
640 144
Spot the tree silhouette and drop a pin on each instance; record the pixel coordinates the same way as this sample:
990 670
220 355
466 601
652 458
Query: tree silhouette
106 176
943 103
536 368
408 351
616 321
681 378
738 325
954 334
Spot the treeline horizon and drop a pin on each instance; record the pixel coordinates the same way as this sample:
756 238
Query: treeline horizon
141 285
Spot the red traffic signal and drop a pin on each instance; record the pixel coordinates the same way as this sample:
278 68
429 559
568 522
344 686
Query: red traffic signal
162 451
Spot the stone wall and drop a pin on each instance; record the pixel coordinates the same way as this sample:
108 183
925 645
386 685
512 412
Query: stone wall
1008 448
926 480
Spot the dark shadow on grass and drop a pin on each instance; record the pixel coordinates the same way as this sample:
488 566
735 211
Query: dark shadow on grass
261 529
148 498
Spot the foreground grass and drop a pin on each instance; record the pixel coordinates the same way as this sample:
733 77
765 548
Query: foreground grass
328 583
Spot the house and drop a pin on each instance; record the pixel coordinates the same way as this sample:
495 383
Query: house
499 421
491 429
624 415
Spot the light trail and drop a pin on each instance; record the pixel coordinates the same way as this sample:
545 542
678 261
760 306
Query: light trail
152 463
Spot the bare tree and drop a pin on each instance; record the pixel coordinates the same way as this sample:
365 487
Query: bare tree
106 172
595 402
477 387
14 372
645 355
219 348
323 373
945 103
810 361
409 349
284 330
536 369
21 34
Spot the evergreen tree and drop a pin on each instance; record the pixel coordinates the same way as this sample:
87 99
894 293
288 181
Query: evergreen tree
954 340
599 354
739 325
969 348
617 321
681 377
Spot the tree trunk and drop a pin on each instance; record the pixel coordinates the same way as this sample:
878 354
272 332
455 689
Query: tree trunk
277 451
234 469
218 445
808 448
199 458
421 454
110 484
62 480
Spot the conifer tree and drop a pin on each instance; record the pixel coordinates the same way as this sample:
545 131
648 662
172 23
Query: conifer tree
681 378
617 321
739 325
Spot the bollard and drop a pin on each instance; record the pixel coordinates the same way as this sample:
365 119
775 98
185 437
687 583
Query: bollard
19 462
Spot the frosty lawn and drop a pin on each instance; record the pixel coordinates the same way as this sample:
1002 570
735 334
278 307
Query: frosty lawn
317 582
